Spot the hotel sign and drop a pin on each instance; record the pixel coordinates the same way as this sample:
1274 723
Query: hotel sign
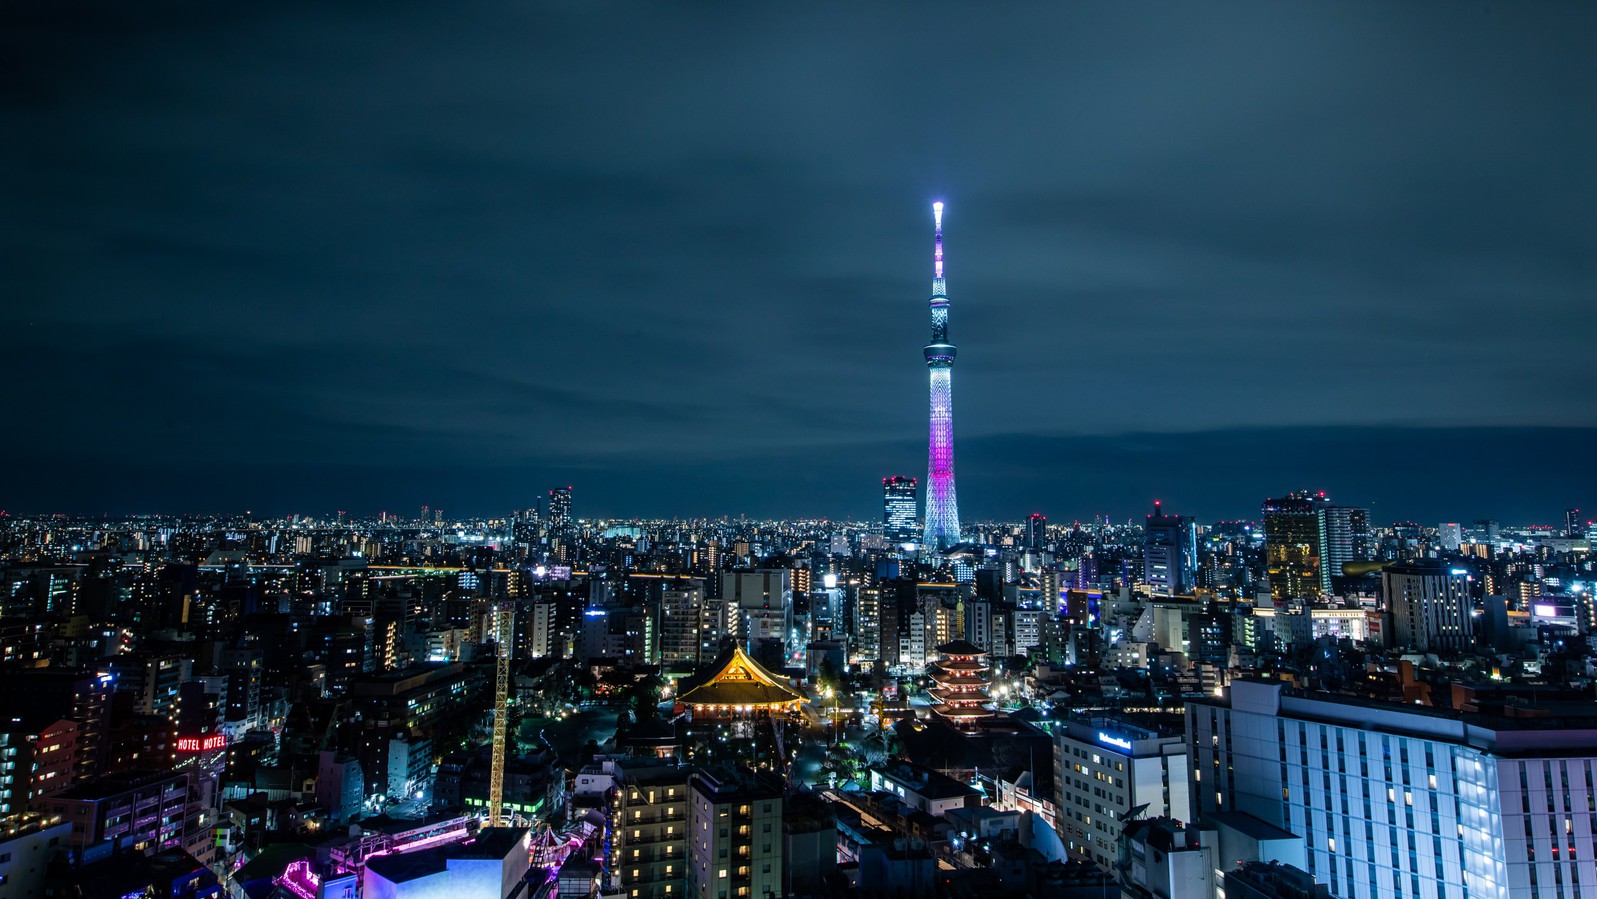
1117 742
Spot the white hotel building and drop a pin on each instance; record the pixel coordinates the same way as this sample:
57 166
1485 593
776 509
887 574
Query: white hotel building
1104 767
1399 801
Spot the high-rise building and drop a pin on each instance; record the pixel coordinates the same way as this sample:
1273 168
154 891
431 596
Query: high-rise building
1295 546
1347 536
1036 530
243 668
1169 552
649 845
736 843
1573 527
1430 606
681 608
559 508
942 506
1392 799
899 523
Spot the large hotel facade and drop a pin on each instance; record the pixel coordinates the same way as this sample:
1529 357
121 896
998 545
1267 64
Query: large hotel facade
1400 801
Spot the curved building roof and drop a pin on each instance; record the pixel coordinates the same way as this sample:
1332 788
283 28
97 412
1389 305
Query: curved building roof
960 648
739 680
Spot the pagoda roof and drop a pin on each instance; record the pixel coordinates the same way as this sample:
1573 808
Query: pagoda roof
960 680
960 648
954 697
963 711
737 679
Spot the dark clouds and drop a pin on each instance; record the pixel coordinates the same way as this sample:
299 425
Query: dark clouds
468 249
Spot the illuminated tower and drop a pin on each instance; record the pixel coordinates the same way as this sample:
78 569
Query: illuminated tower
942 508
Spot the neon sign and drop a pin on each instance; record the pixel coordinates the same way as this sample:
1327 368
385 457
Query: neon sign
298 878
1117 742
201 744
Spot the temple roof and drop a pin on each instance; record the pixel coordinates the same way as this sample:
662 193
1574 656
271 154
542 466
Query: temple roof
739 680
960 648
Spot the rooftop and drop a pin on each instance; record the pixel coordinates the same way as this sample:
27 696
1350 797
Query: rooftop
408 866
492 842
109 785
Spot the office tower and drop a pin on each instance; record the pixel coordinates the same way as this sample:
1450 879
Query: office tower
1572 524
1036 530
898 510
736 847
1449 534
559 508
1392 800
1107 767
1430 606
1295 552
1169 552
942 507
1347 536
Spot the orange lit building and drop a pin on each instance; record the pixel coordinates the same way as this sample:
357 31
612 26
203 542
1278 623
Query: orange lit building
739 686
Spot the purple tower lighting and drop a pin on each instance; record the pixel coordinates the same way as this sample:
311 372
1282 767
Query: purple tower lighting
942 508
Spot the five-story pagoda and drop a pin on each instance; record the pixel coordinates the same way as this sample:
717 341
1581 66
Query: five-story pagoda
961 677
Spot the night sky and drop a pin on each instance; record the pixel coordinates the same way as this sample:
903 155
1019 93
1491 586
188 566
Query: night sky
372 255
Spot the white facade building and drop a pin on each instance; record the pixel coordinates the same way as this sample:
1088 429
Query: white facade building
1105 767
1396 801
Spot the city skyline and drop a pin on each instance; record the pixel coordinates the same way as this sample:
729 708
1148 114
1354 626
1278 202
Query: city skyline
495 450
436 277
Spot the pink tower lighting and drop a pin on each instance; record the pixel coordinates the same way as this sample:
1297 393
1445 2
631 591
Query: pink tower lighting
942 506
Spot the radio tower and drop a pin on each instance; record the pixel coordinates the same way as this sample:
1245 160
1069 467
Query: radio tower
942 508
505 628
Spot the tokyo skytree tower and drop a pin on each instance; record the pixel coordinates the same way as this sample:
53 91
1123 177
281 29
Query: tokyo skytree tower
942 507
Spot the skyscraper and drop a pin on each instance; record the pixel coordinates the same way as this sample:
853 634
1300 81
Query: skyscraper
1347 536
1295 546
1169 552
1036 530
559 508
942 507
898 510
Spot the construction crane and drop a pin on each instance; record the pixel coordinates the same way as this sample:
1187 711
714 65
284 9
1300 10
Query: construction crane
504 630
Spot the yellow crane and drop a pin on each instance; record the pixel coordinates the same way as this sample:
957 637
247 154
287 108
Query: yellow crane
504 638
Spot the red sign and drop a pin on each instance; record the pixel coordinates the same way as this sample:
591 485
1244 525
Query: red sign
201 744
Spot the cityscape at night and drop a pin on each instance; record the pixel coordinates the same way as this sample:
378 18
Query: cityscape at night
497 451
